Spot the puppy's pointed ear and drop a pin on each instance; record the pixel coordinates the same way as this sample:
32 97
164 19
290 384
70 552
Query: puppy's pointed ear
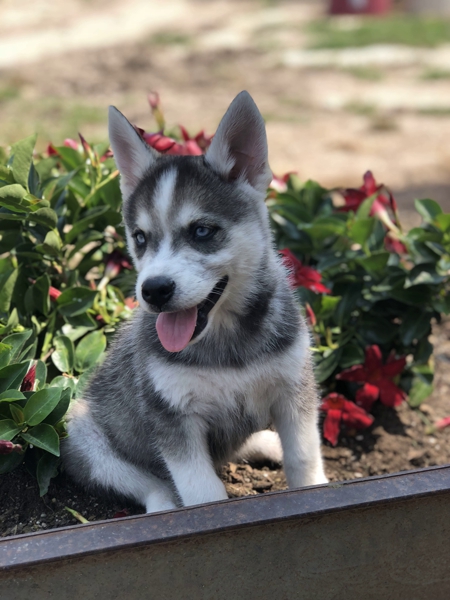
239 148
131 153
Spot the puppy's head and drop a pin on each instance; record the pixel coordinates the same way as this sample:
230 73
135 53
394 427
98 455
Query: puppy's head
197 226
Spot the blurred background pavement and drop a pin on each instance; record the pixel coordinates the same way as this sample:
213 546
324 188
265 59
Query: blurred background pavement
340 95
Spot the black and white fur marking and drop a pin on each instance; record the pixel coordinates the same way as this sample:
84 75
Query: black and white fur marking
154 425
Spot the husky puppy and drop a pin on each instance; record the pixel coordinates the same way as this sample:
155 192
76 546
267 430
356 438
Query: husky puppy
217 349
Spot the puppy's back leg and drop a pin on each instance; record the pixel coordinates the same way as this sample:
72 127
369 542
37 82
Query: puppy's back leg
261 446
90 459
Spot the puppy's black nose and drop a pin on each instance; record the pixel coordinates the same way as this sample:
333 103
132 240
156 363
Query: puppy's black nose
157 291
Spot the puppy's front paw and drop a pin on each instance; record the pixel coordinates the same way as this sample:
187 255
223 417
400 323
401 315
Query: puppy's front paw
319 479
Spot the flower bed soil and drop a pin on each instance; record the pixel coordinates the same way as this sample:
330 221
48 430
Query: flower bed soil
400 439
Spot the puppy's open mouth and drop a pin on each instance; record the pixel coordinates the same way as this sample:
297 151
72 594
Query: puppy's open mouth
176 329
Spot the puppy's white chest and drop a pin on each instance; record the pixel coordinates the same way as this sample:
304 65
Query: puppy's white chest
202 390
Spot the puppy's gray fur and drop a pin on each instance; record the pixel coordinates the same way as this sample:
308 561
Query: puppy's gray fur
154 424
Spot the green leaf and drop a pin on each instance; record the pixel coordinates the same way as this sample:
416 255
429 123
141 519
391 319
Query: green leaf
419 295
443 221
441 304
10 462
17 414
423 352
33 180
17 341
327 365
428 209
43 436
323 228
64 355
423 274
39 293
78 325
11 197
82 225
91 236
350 297
374 329
83 381
89 350
6 174
374 263
22 154
420 390
419 234
365 207
352 354
7 283
13 320
9 429
11 396
51 245
5 354
75 301
41 404
415 325
12 375
33 203
46 217
47 468
64 383
328 306
361 230
9 216
61 409
70 157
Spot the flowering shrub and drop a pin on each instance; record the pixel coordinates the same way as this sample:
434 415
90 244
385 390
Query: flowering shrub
370 290
63 290
371 317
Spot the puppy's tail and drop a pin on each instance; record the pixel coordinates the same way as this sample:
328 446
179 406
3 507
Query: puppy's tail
262 446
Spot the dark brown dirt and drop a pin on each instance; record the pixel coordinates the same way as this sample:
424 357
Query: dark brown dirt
401 439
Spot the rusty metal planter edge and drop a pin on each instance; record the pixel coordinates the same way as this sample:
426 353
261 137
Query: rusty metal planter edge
78 541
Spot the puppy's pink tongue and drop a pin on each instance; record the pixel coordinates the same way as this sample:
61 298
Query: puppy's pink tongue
175 329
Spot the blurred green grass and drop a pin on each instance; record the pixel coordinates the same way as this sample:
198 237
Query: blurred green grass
356 32
52 118
433 74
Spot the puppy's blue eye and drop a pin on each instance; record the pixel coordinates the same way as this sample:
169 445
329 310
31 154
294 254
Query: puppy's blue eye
201 232
139 236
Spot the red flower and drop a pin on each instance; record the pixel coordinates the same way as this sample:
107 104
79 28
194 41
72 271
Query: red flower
107 154
54 293
340 410
9 447
355 197
115 262
167 145
51 151
301 276
394 245
310 316
377 379
445 422
279 184
155 105
71 143
201 141
131 302
28 382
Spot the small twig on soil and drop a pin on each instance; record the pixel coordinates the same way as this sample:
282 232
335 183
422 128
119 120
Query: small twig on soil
76 514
